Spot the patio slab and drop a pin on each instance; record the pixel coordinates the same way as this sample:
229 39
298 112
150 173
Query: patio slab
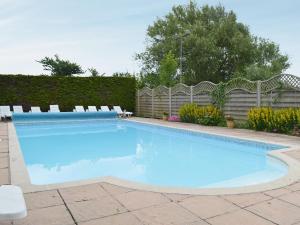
120 219
208 206
277 211
170 213
245 200
95 209
42 199
114 189
56 215
141 199
82 193
240 217
4 176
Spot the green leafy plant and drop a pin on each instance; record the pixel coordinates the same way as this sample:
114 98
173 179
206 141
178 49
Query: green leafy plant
273 120
207 115
218 95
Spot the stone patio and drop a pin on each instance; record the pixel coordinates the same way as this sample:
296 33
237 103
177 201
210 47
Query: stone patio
103 203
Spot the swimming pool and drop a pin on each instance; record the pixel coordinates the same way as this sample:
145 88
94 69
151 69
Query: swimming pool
62 151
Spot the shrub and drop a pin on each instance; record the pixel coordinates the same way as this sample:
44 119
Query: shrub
66 91
207 115
268 119
189 113
210 116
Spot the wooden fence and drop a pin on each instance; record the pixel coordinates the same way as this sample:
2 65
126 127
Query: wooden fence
281 91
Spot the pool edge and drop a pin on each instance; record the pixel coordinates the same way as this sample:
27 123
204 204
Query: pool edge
19 173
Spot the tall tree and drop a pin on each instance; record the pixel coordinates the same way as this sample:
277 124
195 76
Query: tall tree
215 46
60 67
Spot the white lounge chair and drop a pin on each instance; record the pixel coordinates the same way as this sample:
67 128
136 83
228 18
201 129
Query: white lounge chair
35 109
18 109
79 108
54 108
121 112
12 204
105 108
92 109
5 111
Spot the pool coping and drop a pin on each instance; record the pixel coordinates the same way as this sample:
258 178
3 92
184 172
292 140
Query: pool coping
19 173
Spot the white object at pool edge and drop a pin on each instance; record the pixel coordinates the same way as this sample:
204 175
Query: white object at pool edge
12 203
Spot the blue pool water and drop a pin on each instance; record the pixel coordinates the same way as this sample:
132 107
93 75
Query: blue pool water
69 151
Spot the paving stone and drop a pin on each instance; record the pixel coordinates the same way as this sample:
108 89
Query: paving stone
294 154
293 198
82 193
114 189
3 149
42 199
193 223
4 155
277 211
140 199
208 206
294 187
244 200
56 215
176 197
277 192
240 217
6 223
94 209
119 219
4 176
166 214
3 162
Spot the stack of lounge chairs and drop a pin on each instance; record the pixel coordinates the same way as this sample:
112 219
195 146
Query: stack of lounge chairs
5 111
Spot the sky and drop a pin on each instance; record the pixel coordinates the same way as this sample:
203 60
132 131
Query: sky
106 35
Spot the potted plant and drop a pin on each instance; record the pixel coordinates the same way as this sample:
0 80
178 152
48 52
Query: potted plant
229 121
296 130
165 116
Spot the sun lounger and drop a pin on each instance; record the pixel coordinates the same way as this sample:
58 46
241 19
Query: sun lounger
12 203
5 111
79 108
35 109
121 112
92 109
54 108
18 109
105 108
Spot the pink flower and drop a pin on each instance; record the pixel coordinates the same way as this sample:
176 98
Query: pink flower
174 119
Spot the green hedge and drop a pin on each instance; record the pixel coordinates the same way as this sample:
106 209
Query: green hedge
67 91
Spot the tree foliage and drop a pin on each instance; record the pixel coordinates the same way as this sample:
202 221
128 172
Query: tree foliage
167 70
216 47
60 67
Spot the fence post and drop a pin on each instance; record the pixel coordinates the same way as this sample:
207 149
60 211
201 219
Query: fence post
138 102
152 105
258 94
191 94
170 101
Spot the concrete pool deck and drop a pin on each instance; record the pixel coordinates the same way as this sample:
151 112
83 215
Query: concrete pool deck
103 203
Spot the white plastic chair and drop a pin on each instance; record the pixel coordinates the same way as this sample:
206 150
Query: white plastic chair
79 108
35 109
120 112
18 109
54 108
105 108
5 111
12 203
92 109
